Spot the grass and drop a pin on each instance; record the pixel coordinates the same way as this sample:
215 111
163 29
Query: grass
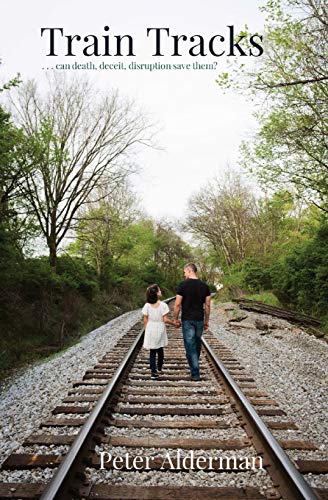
265 297
324 325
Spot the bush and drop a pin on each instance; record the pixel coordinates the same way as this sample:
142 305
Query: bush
41 310
233 283
256 276
248 276
300 279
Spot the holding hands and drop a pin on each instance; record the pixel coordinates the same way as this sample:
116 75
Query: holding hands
176 322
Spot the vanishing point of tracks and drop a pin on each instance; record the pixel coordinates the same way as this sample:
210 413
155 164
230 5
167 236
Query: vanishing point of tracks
129 424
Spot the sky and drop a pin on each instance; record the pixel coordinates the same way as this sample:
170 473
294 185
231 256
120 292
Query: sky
199 127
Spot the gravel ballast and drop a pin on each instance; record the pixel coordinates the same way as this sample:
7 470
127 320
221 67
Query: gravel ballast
285 362
28 398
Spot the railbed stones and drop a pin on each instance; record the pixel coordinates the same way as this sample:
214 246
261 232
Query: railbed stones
229 315
28 398
143 440
293 370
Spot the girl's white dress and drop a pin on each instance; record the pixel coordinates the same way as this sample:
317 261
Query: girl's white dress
155 334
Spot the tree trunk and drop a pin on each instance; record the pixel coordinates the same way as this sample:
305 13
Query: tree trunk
52 254
3 206
52 240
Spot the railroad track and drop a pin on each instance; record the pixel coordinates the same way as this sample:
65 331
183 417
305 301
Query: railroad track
292 316
132 429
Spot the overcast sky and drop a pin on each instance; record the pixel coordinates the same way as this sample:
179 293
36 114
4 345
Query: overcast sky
200 127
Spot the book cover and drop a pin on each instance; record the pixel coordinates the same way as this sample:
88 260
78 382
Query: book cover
136 138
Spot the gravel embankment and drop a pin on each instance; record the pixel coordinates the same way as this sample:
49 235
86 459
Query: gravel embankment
291 366
288 364
28 398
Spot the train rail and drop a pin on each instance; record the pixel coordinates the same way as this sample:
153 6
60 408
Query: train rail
292 316
128 423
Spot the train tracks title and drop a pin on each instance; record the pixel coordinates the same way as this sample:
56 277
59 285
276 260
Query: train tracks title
161 43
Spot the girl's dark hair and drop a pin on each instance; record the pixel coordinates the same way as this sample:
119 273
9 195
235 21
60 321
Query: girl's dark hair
151 294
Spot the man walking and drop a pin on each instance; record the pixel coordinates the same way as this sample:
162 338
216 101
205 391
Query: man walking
192 294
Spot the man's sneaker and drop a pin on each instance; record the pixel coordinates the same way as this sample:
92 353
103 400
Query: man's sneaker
195 378
154 375
160 371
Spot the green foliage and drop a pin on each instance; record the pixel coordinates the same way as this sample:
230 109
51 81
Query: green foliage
289 150
115 256
77 274
41 310
129 251
246 277
287 261
13 82
265 297
11 171
255 275
10 255
291 144
300 278
233 282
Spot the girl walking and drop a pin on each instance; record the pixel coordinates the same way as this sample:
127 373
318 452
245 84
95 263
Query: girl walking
155 317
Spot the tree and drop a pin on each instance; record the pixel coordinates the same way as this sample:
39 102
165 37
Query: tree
278 221
300 277
220 214
171 253
16 223
207 264
13 82
77 142
291 145
237 225
11 171
102 222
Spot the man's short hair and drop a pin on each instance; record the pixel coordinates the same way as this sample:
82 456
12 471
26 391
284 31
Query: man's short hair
191 266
